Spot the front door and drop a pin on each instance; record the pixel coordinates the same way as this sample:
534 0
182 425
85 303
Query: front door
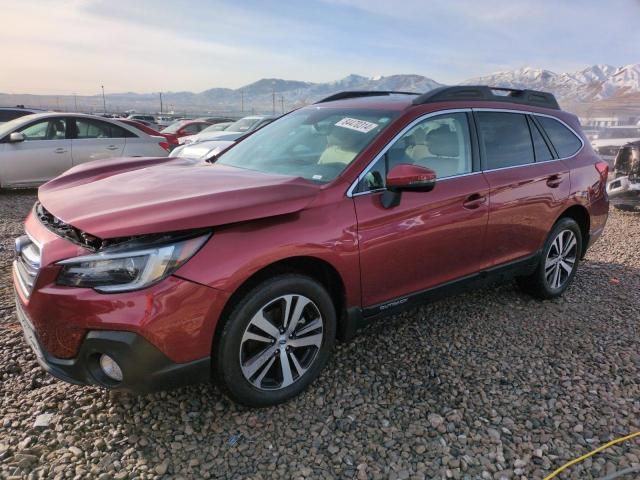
430 238
44 154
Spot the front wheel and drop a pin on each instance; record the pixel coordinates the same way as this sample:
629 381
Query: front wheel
276 341
558 263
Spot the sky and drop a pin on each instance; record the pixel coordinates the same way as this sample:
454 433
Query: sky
63 47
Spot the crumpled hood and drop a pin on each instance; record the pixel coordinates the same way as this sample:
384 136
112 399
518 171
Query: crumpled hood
127 197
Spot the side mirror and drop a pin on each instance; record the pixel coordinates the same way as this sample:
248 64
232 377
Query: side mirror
16 137
407 177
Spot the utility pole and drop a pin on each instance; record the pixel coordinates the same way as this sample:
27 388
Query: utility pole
104 101
242 100
274 100
282 102
75 101
160 103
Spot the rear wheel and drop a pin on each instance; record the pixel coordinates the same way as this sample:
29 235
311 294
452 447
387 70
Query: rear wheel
558 262
276 341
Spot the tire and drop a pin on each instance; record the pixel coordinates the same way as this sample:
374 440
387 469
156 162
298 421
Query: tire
258 365
551 278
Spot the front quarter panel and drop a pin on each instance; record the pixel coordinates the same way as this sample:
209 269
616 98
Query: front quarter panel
326 231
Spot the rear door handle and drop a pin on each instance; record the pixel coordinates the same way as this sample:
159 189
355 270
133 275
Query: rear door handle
474 201
60 150
112 147
554 181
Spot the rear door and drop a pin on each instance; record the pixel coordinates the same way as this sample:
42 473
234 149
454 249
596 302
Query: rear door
95 140
430 238
528 184
44 154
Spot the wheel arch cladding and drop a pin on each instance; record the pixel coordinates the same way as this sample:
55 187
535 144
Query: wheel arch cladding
581 216
317 269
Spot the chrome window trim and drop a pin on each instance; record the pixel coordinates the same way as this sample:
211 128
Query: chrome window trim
527 112
354 184
389 144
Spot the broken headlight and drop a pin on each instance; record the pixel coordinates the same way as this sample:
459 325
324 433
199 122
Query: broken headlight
130 268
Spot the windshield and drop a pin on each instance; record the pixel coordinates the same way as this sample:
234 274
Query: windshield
243 125
174 127
218 127
315 144
620 133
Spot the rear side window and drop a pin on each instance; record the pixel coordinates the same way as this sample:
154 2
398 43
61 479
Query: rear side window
89 128
563 139
505 139
540 147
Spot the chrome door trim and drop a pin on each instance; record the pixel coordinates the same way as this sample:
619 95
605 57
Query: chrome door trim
528 112
380 154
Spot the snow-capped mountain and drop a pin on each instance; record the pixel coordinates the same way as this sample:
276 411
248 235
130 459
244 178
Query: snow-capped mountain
597 82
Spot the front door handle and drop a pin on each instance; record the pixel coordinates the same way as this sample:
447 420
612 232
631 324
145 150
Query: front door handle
474 201
60 150
112 147
554 181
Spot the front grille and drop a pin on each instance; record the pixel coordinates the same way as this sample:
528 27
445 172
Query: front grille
27 263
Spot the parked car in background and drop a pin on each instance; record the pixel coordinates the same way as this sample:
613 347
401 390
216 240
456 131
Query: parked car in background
624 188
11 113
143 117
38 147
172 140
218 127
610 139
205 150
164 121
185 128
233 131
151 273
215 120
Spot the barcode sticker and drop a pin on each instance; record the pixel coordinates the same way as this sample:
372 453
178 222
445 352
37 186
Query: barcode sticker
357 125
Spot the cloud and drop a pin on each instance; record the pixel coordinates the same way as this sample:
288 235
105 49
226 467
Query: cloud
77 45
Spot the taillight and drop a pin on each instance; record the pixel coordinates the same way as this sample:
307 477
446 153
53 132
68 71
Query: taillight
165 145
603 170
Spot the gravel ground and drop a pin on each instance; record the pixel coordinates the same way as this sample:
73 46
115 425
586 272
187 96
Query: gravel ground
491 384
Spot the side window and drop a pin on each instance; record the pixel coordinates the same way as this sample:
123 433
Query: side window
52 129
191 129
539 144
441 143
119 132
505 139
565 141
92 129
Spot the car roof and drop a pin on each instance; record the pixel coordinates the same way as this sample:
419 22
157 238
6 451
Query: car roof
463 95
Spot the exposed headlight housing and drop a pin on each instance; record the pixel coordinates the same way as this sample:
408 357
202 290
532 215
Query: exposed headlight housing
128 267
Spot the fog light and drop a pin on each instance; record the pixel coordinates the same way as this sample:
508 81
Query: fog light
110 368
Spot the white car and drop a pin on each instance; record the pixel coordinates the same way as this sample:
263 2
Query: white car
233 131
36 148
611 139
202 150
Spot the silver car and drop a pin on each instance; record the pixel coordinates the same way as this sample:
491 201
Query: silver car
36 148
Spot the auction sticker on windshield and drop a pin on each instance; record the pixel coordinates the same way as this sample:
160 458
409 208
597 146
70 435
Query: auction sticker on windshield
357 125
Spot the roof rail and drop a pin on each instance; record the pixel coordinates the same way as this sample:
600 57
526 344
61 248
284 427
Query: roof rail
533 98
361 93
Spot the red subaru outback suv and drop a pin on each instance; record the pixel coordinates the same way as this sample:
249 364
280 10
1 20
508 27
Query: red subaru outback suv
148 273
